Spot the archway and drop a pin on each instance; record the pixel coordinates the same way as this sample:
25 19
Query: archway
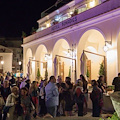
40 61
92 41
62 64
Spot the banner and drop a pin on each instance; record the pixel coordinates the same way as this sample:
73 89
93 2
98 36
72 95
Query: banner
29 66
55 66
83 64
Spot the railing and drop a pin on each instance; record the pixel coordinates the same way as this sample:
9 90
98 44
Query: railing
98 10
83 6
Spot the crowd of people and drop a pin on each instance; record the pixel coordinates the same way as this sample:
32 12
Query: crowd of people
22 98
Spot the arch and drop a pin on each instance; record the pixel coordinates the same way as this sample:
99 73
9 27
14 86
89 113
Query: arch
64 65
28 54
92 40
40 61
94 28
40 52
60 45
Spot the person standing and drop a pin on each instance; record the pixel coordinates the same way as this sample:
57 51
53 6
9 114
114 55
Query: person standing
52 96
97 100
5 90
85 91
101 83
26 104
11 103
42 106
33 91
2 103
116 82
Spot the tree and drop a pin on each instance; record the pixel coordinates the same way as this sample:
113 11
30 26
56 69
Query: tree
38 74
33 30
102 69
46 74
69 75
88 73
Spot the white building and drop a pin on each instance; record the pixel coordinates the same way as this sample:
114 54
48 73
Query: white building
5 59
64 35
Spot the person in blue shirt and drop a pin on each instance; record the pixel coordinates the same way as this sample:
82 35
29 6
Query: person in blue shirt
52 96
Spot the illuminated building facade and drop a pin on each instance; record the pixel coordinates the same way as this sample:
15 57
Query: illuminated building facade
76 38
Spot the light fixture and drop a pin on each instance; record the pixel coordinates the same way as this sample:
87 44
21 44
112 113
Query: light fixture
2 62
48 25
107 46
47 56
71 12
20 62
92 3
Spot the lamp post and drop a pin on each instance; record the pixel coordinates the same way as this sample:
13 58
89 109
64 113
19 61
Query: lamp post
2 62
20 63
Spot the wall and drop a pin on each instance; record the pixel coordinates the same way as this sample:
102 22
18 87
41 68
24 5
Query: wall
7 58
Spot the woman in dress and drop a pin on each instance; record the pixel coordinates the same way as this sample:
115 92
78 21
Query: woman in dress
33 91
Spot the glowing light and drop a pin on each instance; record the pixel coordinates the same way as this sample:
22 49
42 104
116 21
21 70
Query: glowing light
57 18
92 4
71 12
105 48
47 57
20 62
2 62
48 25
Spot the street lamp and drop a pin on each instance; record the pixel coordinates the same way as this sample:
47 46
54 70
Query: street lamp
20 64
2 62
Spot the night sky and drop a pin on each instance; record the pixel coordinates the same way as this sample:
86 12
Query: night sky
21 15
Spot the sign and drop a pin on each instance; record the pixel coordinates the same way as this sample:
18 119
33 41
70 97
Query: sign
64 23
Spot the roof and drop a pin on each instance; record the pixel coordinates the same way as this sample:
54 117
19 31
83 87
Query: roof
5 49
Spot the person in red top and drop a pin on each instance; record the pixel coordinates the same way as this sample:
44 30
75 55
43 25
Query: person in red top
79 98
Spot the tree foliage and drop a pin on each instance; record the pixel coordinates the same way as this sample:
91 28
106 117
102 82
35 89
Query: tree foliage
102 69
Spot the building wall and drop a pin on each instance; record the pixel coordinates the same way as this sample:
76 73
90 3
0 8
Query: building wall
7 58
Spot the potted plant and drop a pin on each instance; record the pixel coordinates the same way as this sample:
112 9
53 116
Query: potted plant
46 74
23 34
38 74
69 75
75 12
33 31
102 69
55 22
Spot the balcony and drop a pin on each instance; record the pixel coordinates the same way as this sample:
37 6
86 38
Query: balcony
102 8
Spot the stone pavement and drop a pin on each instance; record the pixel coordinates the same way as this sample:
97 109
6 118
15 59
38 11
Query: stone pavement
86 117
